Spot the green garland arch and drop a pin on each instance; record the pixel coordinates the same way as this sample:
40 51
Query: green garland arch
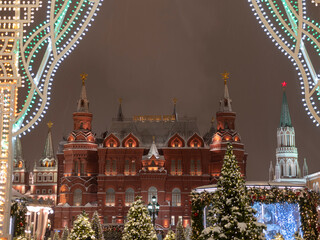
308 202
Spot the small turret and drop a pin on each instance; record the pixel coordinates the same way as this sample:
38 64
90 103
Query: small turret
305 168
271 172
120 114
17 155
175 114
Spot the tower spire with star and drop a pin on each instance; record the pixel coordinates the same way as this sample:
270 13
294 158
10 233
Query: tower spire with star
225 103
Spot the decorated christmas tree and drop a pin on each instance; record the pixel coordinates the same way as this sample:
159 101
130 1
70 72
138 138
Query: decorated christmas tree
297 236
180 231
232 216
170 235
188 232
65 233
18 213
56 236
96 226
138 225
278 236
82 229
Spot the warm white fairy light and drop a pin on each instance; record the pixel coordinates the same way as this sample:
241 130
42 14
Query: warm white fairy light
18 51
293 33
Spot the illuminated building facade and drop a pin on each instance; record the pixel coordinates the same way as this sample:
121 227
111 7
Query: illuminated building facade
163 156
20 175
43 178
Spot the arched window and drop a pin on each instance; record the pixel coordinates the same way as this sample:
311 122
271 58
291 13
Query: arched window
76 167
173 167
110 197
16 177
176 197
129 196
77 197
152 192
199 168
39 177
126 167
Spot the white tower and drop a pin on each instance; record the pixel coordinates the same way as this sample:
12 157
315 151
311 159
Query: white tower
287 166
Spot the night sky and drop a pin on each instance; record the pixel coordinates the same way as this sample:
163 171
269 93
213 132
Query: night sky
150 51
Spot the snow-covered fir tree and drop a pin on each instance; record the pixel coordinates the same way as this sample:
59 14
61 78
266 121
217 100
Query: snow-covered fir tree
297 236
96 226
65 233
56 236
170 235
138 225
232 216
278 236
82 229
180 231
188 232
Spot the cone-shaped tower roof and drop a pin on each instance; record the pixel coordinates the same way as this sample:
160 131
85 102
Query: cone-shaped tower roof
48 148
153 150
120 116
83 103
17 155
225 103
175 109
285 119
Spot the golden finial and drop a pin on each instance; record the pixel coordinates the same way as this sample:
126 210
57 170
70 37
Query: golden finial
153 138
120 100
84 77
174 100
49 124
212 120
225 76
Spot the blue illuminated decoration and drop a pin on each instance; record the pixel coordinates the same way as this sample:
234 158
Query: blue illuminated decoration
281 218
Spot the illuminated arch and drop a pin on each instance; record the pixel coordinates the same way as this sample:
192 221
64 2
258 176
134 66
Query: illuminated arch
195 141
227 138
176 141
111 141
130 141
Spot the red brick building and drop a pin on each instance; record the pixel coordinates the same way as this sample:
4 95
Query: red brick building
41 182
163 156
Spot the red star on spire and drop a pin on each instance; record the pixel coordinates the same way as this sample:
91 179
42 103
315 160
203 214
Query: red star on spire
284 84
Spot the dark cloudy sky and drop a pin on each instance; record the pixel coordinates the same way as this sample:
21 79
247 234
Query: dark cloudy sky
150 51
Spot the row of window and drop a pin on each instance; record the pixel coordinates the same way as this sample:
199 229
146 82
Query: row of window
175 141
44 191
129 196
152 191
130 167
45 177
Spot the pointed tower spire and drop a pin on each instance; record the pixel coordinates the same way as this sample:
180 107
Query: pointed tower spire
120 114
305 168
17 154
175 108
225 103
153 149
271 172
48 148
83 103
285 119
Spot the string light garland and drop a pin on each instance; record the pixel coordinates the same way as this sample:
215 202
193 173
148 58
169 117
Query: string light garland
307 200
298 37
30 60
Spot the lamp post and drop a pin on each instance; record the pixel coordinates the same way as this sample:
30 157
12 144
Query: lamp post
153 209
